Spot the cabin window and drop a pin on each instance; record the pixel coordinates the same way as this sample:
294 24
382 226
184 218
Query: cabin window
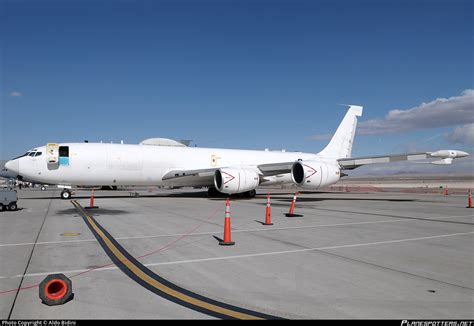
38 154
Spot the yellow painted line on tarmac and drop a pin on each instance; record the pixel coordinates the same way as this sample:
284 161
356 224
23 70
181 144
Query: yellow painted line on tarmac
70 234
144 276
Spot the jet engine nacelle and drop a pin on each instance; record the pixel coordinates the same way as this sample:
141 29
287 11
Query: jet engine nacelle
314 174
236 180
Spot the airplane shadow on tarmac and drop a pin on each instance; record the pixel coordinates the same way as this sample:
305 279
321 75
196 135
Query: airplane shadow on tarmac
204 195
95 212
306 199
283 202
125 194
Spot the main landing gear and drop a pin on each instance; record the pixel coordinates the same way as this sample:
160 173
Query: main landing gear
213 192
250 194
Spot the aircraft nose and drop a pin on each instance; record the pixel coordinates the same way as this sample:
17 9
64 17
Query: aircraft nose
462 154
13 165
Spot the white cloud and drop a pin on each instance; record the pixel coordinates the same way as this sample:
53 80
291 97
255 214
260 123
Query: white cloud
462 135
442 112
16 94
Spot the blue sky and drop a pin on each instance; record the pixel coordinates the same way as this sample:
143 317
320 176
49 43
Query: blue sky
238 74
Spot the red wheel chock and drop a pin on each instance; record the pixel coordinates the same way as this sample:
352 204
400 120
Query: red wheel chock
55 289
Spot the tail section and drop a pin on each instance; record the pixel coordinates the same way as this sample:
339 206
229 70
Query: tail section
340 145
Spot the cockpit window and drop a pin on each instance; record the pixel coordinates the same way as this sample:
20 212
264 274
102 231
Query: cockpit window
31 152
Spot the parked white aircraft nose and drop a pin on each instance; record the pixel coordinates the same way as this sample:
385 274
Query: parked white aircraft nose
13 165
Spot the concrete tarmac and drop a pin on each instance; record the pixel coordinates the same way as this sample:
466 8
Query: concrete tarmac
351 255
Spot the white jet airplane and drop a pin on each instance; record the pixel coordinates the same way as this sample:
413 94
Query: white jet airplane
162 162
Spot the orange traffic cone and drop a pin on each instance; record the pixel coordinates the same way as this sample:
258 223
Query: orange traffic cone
91 201
268 219
469 200
227 239
292 207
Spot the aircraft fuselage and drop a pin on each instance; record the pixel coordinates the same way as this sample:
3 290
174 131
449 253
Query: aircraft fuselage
138 165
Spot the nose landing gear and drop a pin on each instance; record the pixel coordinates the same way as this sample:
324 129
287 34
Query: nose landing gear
66 194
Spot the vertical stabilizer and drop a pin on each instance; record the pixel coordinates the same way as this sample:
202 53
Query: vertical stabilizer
341 142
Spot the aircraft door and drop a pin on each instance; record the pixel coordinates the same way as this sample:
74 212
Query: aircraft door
57 156
64 155
52 153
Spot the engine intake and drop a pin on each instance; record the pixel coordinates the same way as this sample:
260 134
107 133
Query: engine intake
314 174
236 180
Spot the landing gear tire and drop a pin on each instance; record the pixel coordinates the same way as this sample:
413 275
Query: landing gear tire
213 192
65 194
247 194
251 193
